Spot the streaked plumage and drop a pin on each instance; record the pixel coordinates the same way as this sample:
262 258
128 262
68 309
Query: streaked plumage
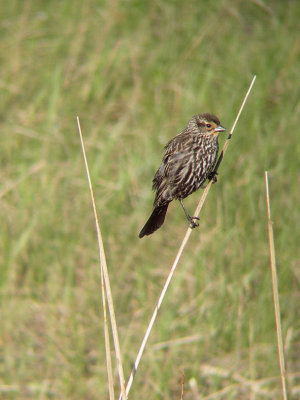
187 161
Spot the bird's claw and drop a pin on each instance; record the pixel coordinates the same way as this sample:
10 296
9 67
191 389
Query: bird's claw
194 224
213 176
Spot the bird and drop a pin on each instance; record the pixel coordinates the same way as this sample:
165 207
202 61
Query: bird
188 161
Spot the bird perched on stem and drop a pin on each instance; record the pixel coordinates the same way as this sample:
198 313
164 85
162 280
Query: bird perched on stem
188 160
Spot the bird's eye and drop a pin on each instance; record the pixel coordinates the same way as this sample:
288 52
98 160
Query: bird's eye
208 125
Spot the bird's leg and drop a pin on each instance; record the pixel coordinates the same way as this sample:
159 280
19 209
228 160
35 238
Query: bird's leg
193 224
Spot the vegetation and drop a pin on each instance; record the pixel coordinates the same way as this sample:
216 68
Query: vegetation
135 72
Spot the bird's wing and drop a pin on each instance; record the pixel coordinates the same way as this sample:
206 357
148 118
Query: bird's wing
173 165
177 145
176 155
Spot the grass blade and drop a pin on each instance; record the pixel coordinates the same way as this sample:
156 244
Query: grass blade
275 291
106 293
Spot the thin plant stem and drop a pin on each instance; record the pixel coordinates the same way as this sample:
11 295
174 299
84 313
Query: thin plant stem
182 386
181 248
275 291
107 343
106 293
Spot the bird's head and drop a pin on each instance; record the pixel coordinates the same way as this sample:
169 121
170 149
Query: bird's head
207 124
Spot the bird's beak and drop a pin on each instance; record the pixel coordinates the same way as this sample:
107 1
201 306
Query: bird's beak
219 129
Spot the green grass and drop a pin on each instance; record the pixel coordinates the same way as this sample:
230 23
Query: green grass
135 72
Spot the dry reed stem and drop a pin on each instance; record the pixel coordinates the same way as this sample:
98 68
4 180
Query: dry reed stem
106 294
182 385
275 291
181 248
107 343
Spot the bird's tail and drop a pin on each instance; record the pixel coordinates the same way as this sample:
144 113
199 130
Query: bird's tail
155 220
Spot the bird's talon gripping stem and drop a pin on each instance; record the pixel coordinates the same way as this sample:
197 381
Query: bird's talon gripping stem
192 223
213 176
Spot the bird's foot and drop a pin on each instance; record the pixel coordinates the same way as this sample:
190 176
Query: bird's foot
213 176
193 224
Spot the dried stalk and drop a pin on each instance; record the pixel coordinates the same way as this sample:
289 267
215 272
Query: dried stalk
106 294
182 246
275 292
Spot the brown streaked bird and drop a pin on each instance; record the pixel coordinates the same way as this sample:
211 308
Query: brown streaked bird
188 160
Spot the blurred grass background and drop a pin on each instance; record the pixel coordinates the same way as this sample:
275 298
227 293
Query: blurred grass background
135 72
